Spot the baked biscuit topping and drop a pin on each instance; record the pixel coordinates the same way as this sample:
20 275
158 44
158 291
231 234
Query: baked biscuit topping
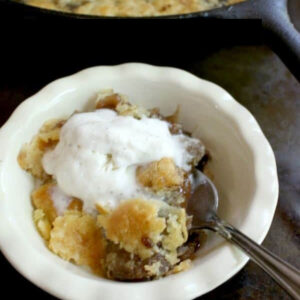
135 226
130 7
76 237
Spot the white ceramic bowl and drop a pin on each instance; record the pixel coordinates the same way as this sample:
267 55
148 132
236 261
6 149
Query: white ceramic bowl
243 165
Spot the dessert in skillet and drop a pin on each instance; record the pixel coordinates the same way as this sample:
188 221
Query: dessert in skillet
129 7
111 189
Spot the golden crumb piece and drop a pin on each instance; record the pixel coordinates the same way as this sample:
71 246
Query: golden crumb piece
76 237
30 156
119 103
42 223
101 209
41 198
153 269
124 108
47 4
160 174
135 226
49 133
176 232
109 102
30 159
182 266
75 204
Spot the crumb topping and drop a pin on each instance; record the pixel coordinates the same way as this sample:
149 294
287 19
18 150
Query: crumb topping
158 175
131 223
30 156
77 237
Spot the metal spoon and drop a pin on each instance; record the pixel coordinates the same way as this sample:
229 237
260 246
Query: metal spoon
203 206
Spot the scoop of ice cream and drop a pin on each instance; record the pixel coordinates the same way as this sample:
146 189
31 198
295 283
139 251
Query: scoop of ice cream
98 153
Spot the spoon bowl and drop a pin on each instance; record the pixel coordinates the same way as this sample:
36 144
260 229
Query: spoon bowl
204 201
203 206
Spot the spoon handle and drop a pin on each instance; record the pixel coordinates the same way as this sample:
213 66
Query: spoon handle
284 274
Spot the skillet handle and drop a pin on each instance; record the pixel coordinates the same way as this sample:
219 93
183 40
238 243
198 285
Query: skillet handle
278 31
281 35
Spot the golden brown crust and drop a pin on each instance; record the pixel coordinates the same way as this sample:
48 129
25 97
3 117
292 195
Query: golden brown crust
75 204
153 269
101 209
133 221
125 108
41 198
138 226
109 102
42 223
119 103
43 4
162 174
176 232
130 7
182 266
30 156
76 237
49 133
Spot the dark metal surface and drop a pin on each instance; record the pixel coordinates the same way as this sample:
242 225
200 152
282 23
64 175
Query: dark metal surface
278 30
294 9
258 80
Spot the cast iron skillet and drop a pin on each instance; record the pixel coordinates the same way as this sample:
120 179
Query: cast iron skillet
278 31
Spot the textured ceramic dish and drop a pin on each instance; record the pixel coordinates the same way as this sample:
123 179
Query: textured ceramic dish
243 165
